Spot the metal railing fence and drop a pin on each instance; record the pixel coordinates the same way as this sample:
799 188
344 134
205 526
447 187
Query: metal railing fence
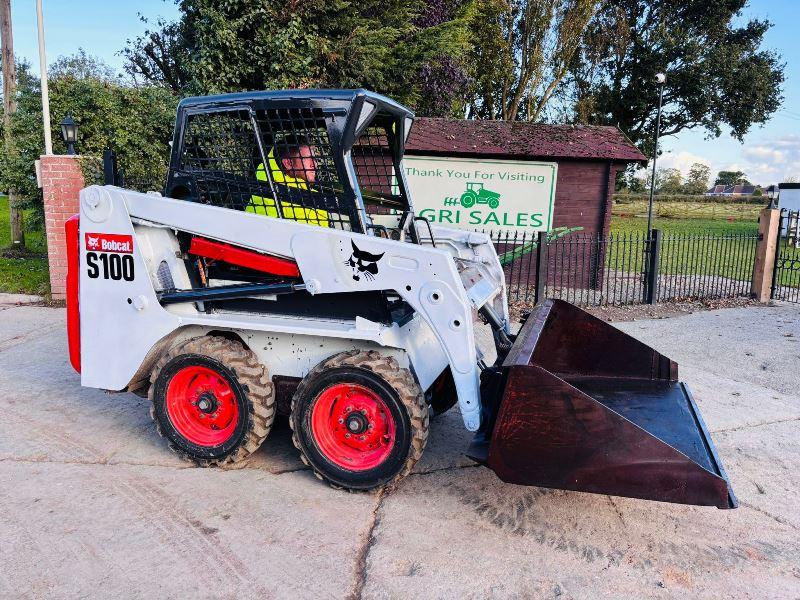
626 268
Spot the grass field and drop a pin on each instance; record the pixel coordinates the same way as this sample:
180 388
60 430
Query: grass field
696 245
22 272
622 224
715 241
715 211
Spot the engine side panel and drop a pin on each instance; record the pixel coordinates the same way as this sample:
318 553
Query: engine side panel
121 266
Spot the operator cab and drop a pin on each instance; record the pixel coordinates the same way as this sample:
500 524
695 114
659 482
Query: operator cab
325 158
328 158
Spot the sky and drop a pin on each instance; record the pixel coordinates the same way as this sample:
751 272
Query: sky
769 153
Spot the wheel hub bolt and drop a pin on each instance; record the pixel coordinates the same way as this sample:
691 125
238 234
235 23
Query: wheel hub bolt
347 435
207 403
356 423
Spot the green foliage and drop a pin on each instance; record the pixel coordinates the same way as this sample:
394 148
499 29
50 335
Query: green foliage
136 121
717 73
731 178
22 271
16 168
697 180
669 181
521 52
252 45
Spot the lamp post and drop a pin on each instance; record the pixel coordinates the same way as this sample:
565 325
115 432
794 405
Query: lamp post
69 133
660 79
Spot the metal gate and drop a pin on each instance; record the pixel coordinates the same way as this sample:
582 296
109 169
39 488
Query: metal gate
786 275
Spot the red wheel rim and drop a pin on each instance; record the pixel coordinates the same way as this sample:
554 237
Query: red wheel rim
202 406
353 427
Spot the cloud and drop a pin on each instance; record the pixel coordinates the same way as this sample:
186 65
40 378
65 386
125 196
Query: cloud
764 160
772 161
764 153
682 161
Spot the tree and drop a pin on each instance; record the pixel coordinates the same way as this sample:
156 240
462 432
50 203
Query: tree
636 185
717 73
669 181
136 121
160 56
522 51
731 178
404 48
9 107
697 180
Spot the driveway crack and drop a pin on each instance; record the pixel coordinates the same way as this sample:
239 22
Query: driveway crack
775 518
368 540
751 426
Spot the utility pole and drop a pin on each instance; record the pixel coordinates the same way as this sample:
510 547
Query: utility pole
660 79
9 108
48 142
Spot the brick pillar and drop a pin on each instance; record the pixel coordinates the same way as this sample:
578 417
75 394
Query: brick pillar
62 180
768 230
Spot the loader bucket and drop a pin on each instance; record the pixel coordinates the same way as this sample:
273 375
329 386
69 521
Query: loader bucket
579 405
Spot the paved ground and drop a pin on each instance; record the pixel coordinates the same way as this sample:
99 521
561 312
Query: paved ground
93 504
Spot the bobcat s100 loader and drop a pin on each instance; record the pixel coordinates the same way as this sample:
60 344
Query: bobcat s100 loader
283 269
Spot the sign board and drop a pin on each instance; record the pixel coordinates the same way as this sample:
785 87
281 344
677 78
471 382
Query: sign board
477 194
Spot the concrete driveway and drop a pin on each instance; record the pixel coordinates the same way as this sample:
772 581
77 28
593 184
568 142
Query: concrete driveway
94 505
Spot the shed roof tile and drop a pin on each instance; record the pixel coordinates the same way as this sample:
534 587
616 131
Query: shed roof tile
504 139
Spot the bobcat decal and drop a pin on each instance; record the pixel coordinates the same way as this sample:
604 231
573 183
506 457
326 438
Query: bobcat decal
363 263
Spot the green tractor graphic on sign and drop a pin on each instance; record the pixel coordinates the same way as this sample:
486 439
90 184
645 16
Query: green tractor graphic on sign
477 194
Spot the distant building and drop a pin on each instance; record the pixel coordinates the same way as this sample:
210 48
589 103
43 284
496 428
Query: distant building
731 190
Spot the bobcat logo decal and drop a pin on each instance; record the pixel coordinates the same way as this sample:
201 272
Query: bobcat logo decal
93 242
363 263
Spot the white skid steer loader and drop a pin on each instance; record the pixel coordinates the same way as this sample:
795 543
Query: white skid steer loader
284 270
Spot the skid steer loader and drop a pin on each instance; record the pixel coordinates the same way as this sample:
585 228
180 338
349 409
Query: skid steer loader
283 269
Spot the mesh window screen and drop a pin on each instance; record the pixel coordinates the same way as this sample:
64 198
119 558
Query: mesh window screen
221 154
299 180
372 158
301 166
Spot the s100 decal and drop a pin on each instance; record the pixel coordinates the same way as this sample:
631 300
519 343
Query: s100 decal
109 256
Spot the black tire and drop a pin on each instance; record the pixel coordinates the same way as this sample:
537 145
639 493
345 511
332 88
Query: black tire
245 376
401 395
